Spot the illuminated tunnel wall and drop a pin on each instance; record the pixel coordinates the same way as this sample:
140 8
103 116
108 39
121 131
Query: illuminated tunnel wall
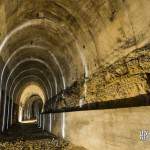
54 44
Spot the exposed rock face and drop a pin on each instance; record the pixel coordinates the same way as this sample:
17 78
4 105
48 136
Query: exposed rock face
128 77
125 78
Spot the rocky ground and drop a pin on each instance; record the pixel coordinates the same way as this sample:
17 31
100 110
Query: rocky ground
29 137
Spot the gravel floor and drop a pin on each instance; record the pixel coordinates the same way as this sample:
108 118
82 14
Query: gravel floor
29 137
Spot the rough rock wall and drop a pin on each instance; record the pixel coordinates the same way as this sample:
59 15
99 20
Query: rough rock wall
126 78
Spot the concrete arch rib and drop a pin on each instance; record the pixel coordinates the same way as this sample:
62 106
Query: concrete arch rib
27 59
13 92
37 47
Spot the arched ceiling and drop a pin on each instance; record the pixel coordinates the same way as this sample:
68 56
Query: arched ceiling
29 92
32 107
27 82
66 40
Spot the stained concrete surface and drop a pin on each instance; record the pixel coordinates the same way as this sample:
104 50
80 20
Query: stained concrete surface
112 129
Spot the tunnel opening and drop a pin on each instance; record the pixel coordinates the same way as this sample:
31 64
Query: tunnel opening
32 109
31 102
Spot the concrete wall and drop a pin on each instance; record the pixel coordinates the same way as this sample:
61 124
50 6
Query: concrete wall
112 129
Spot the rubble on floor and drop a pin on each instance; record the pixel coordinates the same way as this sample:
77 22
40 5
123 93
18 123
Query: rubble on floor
29 137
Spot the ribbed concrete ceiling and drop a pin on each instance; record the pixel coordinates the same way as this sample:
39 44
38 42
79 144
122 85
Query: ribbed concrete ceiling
65 39
47 33
30 94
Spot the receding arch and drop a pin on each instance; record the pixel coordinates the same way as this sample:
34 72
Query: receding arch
27 59
26 93
35 22
13 92
4 113
31 69
37 47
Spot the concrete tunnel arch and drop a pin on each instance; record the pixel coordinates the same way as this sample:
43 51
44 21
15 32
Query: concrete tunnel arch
10 75
57 64
18 87
21 28
28 92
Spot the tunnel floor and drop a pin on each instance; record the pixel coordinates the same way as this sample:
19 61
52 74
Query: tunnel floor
30 137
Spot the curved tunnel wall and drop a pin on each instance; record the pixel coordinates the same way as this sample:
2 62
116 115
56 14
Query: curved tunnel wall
67 40
30 95
33 107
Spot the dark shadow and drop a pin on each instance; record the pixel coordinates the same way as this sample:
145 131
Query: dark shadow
25 132
137 101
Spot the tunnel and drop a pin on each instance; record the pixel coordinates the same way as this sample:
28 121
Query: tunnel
75 74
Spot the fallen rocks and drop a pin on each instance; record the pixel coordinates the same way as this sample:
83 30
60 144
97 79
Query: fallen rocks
29 137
